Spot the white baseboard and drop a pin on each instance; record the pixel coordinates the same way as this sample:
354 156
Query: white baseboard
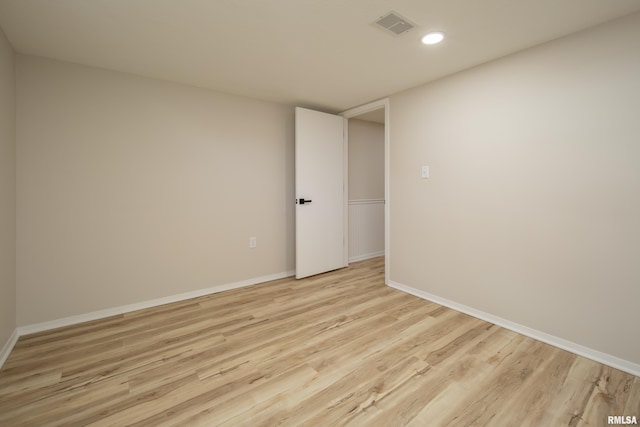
8 346
580 350
366 256
101 314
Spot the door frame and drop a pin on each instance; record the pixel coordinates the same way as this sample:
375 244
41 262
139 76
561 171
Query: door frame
353 112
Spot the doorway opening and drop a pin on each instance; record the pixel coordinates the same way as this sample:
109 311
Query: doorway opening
367 182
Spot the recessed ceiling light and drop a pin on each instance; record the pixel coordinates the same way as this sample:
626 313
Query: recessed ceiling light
433 38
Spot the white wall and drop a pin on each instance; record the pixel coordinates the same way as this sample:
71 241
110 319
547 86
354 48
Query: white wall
366 160
366 189
132 189
532 211
7 192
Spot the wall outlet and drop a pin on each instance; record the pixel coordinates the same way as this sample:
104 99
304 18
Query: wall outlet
253 242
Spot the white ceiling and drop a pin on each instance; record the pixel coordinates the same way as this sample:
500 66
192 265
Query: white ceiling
323 54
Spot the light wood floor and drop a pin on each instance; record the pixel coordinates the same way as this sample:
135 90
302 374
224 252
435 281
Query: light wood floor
336 349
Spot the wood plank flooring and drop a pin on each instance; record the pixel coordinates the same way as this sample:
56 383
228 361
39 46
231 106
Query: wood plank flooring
336 349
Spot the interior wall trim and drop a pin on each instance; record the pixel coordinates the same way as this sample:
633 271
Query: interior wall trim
8 346
101 314
580 350
366 256
366 201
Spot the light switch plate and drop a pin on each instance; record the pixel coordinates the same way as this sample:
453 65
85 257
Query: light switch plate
425 171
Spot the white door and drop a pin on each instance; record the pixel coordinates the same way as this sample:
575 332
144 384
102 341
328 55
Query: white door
319 192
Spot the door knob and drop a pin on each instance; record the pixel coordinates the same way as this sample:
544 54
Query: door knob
303 201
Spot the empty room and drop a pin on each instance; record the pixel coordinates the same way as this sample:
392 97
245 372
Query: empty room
319 213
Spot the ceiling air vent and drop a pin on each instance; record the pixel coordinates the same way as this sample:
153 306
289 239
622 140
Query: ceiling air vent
394 23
